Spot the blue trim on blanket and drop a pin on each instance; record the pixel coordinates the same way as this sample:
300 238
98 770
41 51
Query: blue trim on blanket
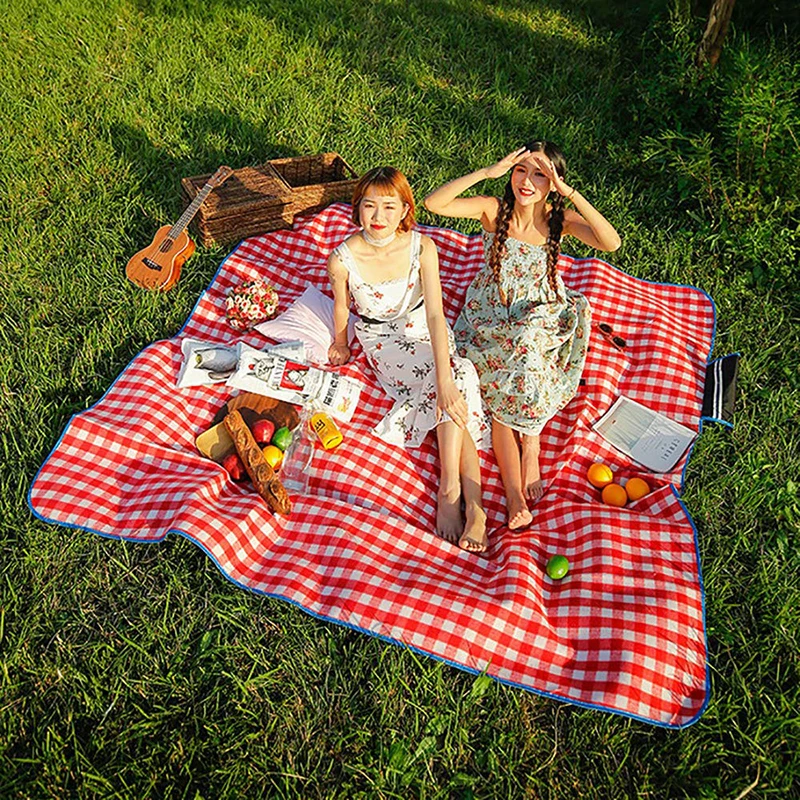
714 419
405 645
388 639
700 581
469 670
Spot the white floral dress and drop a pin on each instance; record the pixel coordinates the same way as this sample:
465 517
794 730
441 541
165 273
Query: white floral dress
530 353
397 345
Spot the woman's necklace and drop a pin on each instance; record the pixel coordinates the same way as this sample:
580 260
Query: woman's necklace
378 242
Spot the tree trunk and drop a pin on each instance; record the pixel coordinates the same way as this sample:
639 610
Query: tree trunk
711 45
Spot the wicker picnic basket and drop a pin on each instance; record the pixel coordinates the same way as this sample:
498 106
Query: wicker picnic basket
268 196
316 181
251 201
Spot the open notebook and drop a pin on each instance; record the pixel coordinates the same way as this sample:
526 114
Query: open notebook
651 439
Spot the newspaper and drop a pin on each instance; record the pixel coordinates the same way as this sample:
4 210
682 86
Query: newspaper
207 364
648 437
277 373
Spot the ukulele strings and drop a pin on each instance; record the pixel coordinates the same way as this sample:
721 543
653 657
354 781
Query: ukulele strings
178 228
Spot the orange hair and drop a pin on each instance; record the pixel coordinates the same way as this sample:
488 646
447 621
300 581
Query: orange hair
390 181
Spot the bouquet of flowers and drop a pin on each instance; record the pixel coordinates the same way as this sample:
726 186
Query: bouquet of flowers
249 303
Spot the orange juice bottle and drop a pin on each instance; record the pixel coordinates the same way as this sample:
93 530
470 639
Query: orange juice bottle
327 432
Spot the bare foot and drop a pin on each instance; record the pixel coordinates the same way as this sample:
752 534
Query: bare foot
534 491
532 484
474 538
448 516
518 514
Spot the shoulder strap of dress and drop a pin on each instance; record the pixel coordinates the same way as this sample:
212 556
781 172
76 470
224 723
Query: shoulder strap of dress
347 258
416 248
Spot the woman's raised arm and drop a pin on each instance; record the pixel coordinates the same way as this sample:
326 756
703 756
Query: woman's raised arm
586 222
446 199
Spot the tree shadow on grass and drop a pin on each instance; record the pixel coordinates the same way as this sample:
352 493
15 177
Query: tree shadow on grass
128 317
217 138
477 49
467 82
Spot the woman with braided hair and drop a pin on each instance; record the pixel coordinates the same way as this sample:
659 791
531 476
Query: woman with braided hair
526 333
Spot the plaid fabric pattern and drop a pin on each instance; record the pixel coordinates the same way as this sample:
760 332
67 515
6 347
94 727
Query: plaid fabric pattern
623 632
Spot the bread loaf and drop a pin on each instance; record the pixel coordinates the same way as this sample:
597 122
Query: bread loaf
265 481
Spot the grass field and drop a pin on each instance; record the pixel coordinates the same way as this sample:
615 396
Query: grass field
139 672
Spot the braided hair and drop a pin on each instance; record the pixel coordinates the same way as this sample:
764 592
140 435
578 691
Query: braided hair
498 249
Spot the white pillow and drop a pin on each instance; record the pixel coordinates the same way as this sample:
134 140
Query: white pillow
308 320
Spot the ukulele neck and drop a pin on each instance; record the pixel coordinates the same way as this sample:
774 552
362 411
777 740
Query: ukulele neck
183 221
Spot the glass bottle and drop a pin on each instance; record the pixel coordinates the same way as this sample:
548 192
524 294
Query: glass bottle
298 458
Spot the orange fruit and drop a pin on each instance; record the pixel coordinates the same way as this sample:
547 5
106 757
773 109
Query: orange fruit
636 488
599 475
274 455
614 495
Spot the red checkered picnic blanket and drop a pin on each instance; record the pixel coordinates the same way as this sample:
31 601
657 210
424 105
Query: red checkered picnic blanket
623 632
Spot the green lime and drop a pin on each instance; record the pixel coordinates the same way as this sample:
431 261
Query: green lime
282 438
557 567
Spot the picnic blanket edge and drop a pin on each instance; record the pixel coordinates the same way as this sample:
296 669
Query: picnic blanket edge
317 615
418 650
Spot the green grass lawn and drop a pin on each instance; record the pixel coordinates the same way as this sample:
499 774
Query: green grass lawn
140 672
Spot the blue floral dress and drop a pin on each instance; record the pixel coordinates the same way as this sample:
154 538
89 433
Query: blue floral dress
529 353
393 331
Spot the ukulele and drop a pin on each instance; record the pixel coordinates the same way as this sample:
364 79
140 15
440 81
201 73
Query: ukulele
158 266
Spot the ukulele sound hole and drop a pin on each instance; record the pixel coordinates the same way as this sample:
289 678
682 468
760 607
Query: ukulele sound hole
151 264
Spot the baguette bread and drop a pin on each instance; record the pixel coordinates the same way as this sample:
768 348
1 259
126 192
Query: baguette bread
266 483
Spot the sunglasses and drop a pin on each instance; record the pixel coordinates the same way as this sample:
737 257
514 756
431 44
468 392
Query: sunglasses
608 333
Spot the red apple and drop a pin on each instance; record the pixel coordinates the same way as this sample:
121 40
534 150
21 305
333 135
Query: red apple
234 467
262 430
